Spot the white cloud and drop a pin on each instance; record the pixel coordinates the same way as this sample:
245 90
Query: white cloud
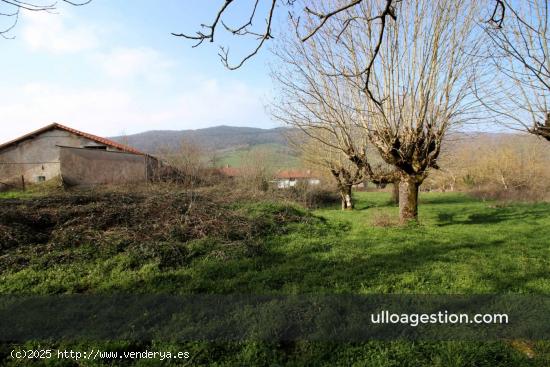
50 32
109 111
131 93
35 105
64 34
128 63
211 102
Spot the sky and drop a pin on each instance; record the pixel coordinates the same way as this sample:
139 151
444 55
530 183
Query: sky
113 68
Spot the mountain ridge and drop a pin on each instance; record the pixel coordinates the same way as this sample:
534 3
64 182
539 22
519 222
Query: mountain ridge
218 138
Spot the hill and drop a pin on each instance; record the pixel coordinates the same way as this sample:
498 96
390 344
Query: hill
217 138
230 144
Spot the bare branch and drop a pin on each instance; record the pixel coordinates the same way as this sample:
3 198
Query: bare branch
224 54
324 17
499 11
18 5
519 52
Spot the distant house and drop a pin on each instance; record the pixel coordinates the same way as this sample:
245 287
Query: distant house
290 178
283 179
78 158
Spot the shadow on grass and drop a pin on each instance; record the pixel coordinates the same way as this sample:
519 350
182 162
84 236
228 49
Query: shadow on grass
384 200
496 215
380 201
305 271
447 199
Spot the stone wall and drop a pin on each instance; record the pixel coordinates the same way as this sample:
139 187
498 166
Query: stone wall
93 167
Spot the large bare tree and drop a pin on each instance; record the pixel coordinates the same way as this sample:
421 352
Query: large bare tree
321 108
520 55
420 83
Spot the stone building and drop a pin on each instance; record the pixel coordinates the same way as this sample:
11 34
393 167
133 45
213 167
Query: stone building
77 158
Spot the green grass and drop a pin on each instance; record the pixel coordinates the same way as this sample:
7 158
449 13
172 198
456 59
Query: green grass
461 246
33 191
279 156
15 194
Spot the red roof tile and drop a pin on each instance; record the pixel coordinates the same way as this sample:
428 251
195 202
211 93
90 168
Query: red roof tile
95 138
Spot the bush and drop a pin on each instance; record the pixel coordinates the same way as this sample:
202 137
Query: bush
527 194
311 197
316 198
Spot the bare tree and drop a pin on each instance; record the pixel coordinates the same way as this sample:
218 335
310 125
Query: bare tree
11 10
498 166
321 108
257 168
520 53
421 82
345 173
187 162
316 15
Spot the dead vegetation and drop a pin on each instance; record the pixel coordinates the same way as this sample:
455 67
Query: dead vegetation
495 167
170 226
384 220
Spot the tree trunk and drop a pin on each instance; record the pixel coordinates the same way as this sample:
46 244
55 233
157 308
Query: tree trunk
408 199
347 199
395 193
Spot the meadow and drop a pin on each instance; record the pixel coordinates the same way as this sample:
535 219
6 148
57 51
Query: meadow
460 246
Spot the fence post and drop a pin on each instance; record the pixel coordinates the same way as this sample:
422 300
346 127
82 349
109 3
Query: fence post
23 182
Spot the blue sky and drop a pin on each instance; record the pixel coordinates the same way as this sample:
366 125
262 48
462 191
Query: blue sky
112 67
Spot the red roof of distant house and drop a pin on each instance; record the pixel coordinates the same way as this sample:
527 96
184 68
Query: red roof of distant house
95 138
230 171
294 173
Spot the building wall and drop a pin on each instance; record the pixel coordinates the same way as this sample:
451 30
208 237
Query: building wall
92 167
286 183
38 157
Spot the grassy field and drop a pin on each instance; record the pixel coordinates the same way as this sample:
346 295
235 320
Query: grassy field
279 156
461 246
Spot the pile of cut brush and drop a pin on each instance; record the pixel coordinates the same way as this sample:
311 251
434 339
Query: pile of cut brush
163 225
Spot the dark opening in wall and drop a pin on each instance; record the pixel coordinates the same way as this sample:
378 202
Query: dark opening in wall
41 178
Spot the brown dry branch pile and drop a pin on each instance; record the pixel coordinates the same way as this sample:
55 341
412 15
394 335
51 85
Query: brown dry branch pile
160 224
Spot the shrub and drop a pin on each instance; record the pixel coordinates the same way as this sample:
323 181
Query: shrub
311 197
528 194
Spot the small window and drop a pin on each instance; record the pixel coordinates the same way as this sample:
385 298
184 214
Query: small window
41 178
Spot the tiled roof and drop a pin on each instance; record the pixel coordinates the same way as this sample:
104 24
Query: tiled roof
95 138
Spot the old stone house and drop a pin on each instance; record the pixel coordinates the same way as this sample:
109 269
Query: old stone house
76 157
